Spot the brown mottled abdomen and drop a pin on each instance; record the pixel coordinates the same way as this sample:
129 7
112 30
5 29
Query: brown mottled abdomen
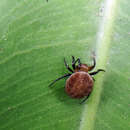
79 85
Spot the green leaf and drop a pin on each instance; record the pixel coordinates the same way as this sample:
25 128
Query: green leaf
35 36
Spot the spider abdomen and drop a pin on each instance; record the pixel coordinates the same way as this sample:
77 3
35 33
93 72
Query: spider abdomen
79 85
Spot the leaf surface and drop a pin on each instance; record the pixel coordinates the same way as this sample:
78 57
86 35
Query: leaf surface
35 36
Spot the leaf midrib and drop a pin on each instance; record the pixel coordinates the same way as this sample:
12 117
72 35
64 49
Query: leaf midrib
102 48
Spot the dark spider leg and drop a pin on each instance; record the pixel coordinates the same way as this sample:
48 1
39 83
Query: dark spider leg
67 66
85 99
93 78
66 75
94 63
73 62
93 73
79 62
93 66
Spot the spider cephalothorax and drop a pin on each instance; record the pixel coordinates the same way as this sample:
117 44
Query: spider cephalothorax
80 81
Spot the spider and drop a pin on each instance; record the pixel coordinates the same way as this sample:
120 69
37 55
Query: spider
80 81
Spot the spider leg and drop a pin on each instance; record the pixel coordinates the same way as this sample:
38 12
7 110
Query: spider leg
85 99
79 62
66 75
67 66
93 73
93 78
93 66
73 62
